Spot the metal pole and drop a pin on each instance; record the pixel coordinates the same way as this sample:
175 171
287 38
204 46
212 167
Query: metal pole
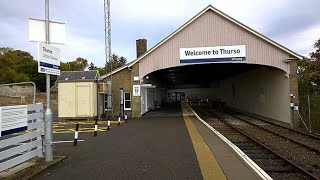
48 114
107 30
309 112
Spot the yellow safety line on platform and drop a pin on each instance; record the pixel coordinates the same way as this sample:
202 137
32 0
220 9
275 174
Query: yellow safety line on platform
81 130
209 166
57 123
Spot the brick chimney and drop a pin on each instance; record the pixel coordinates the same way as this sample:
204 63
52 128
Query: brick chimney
141 45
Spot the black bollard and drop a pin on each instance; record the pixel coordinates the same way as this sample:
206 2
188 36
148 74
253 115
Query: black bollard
96 127
108 122
119 119
76 133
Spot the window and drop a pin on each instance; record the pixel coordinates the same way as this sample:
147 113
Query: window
127 101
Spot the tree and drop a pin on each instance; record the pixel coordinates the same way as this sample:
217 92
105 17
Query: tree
309 72
102 70
92 66
115 62
81 64
12 65
316 55
19 66
122 61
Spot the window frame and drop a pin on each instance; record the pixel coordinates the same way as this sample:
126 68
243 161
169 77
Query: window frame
125 100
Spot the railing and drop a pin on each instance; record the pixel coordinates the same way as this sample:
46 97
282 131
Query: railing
16 149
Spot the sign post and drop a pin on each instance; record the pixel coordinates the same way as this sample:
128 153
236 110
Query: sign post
48 114
49 63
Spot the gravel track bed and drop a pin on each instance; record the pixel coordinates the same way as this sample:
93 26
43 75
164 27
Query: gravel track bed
288 176
302 138
284 147
302 156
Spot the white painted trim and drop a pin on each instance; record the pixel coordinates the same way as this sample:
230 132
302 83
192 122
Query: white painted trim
19 159
260 172
124 101
59 142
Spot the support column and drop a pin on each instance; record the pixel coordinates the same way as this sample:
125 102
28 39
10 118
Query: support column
136 100
293 84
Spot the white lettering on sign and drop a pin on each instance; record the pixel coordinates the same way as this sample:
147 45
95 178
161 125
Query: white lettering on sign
49 59
213 54
13 117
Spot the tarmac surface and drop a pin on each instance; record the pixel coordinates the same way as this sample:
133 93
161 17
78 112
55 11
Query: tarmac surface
170 143
157 146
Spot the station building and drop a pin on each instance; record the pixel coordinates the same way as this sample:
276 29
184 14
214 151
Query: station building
211 56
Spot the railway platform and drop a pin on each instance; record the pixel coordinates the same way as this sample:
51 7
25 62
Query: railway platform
166 144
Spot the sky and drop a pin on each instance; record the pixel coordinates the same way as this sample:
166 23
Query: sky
294 24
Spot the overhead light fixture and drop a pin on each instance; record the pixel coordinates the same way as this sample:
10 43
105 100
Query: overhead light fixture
288 60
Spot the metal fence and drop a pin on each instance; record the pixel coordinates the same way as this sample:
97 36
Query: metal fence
309 108
18 148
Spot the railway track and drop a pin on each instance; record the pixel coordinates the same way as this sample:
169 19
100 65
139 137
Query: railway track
268 158
305 139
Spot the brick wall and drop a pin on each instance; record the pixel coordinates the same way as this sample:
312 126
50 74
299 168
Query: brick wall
293 84
121 79
124 79
141 46
136 101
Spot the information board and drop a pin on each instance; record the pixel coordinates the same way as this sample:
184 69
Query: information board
13 119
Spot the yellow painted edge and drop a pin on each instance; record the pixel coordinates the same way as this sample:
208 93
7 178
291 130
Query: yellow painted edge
85 123
209 166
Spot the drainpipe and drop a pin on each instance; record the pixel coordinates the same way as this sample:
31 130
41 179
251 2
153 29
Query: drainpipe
130 69
98 114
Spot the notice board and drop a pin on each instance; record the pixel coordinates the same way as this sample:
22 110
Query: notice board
13 119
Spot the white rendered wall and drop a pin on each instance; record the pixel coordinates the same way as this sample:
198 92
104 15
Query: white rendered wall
262 91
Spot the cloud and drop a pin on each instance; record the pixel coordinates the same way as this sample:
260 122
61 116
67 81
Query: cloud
303 41
293 23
